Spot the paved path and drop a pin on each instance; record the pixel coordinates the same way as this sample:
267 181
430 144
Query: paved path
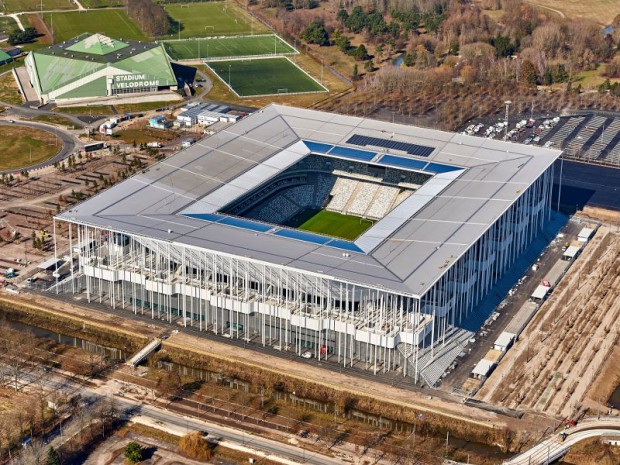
15 16
553 448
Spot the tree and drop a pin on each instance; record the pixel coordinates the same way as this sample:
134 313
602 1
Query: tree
316 33
360 53
356 74
343 43
528 71
342 16
133 452
169 384
195 446
52 457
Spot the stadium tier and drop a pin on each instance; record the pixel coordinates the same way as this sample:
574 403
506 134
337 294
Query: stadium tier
281 232
93 66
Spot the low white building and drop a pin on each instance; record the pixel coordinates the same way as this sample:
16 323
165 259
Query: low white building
504 341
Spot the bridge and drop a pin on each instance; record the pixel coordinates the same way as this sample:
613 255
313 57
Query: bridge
553 448
144 352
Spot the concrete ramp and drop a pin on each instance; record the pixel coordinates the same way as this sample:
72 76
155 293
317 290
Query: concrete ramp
144 352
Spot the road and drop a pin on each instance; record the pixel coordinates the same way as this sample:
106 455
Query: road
130 408
69 144
553 448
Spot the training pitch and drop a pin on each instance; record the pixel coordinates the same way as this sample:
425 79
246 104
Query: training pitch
227 47
112 23
210 19
336 225
265 76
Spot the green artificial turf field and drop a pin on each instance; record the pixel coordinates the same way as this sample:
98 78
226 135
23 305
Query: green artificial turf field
113 23
268 76
211 19
336 225
227 47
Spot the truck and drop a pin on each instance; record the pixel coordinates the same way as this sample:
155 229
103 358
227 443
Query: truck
10 273
154 145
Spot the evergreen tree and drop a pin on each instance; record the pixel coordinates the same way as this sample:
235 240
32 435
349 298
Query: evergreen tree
52 457
316 33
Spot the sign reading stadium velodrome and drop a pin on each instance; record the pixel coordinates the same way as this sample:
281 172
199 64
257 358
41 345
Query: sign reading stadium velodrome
130 81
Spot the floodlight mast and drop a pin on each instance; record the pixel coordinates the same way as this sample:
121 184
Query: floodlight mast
508 103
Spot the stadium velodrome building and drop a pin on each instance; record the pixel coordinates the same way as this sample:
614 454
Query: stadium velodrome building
95 66
241 235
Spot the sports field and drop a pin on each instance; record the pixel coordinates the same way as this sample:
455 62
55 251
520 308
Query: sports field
14 6
113 23
264 76
227 47
211 19
336 225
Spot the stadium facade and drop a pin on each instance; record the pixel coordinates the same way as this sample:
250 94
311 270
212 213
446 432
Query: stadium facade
207 237
94 66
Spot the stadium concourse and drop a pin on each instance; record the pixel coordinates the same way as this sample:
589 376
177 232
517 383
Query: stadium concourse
212 237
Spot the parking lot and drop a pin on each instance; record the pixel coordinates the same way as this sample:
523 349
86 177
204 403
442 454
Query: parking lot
592 138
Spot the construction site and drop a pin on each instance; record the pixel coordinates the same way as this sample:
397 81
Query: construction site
560 364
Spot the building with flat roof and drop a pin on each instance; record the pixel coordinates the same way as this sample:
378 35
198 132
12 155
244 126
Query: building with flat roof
93 66
363 242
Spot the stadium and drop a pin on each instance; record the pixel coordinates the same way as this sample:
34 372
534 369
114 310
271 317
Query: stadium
362 242
95 66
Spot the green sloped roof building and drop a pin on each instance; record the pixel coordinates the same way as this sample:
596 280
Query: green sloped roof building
94 65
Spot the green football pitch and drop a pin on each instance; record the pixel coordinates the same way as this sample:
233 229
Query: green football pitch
336 225
211 19
264 76
113 23
227 47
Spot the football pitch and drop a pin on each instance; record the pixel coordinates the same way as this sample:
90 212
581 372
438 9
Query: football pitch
211 19
336 225
227 47
113 23
264 76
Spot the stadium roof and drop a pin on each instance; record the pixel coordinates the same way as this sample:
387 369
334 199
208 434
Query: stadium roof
404 253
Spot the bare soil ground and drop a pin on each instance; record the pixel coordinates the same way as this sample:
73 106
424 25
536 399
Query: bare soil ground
561 354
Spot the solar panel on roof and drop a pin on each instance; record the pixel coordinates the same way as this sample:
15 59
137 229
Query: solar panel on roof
303 236
439 168
402 162
352 153
318 147
411 149
247 224
344 245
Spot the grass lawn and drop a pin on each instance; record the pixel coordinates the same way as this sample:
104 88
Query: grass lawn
7 24
113 23
336 225
57 119
225 47
21 147
211 19
88 110
9 91
14 6
601 11
264 77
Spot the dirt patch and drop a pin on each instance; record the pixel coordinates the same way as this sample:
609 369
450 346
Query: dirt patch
36 21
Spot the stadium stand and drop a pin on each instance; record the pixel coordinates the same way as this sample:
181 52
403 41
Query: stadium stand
317 182
598 148
382 202
575 146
